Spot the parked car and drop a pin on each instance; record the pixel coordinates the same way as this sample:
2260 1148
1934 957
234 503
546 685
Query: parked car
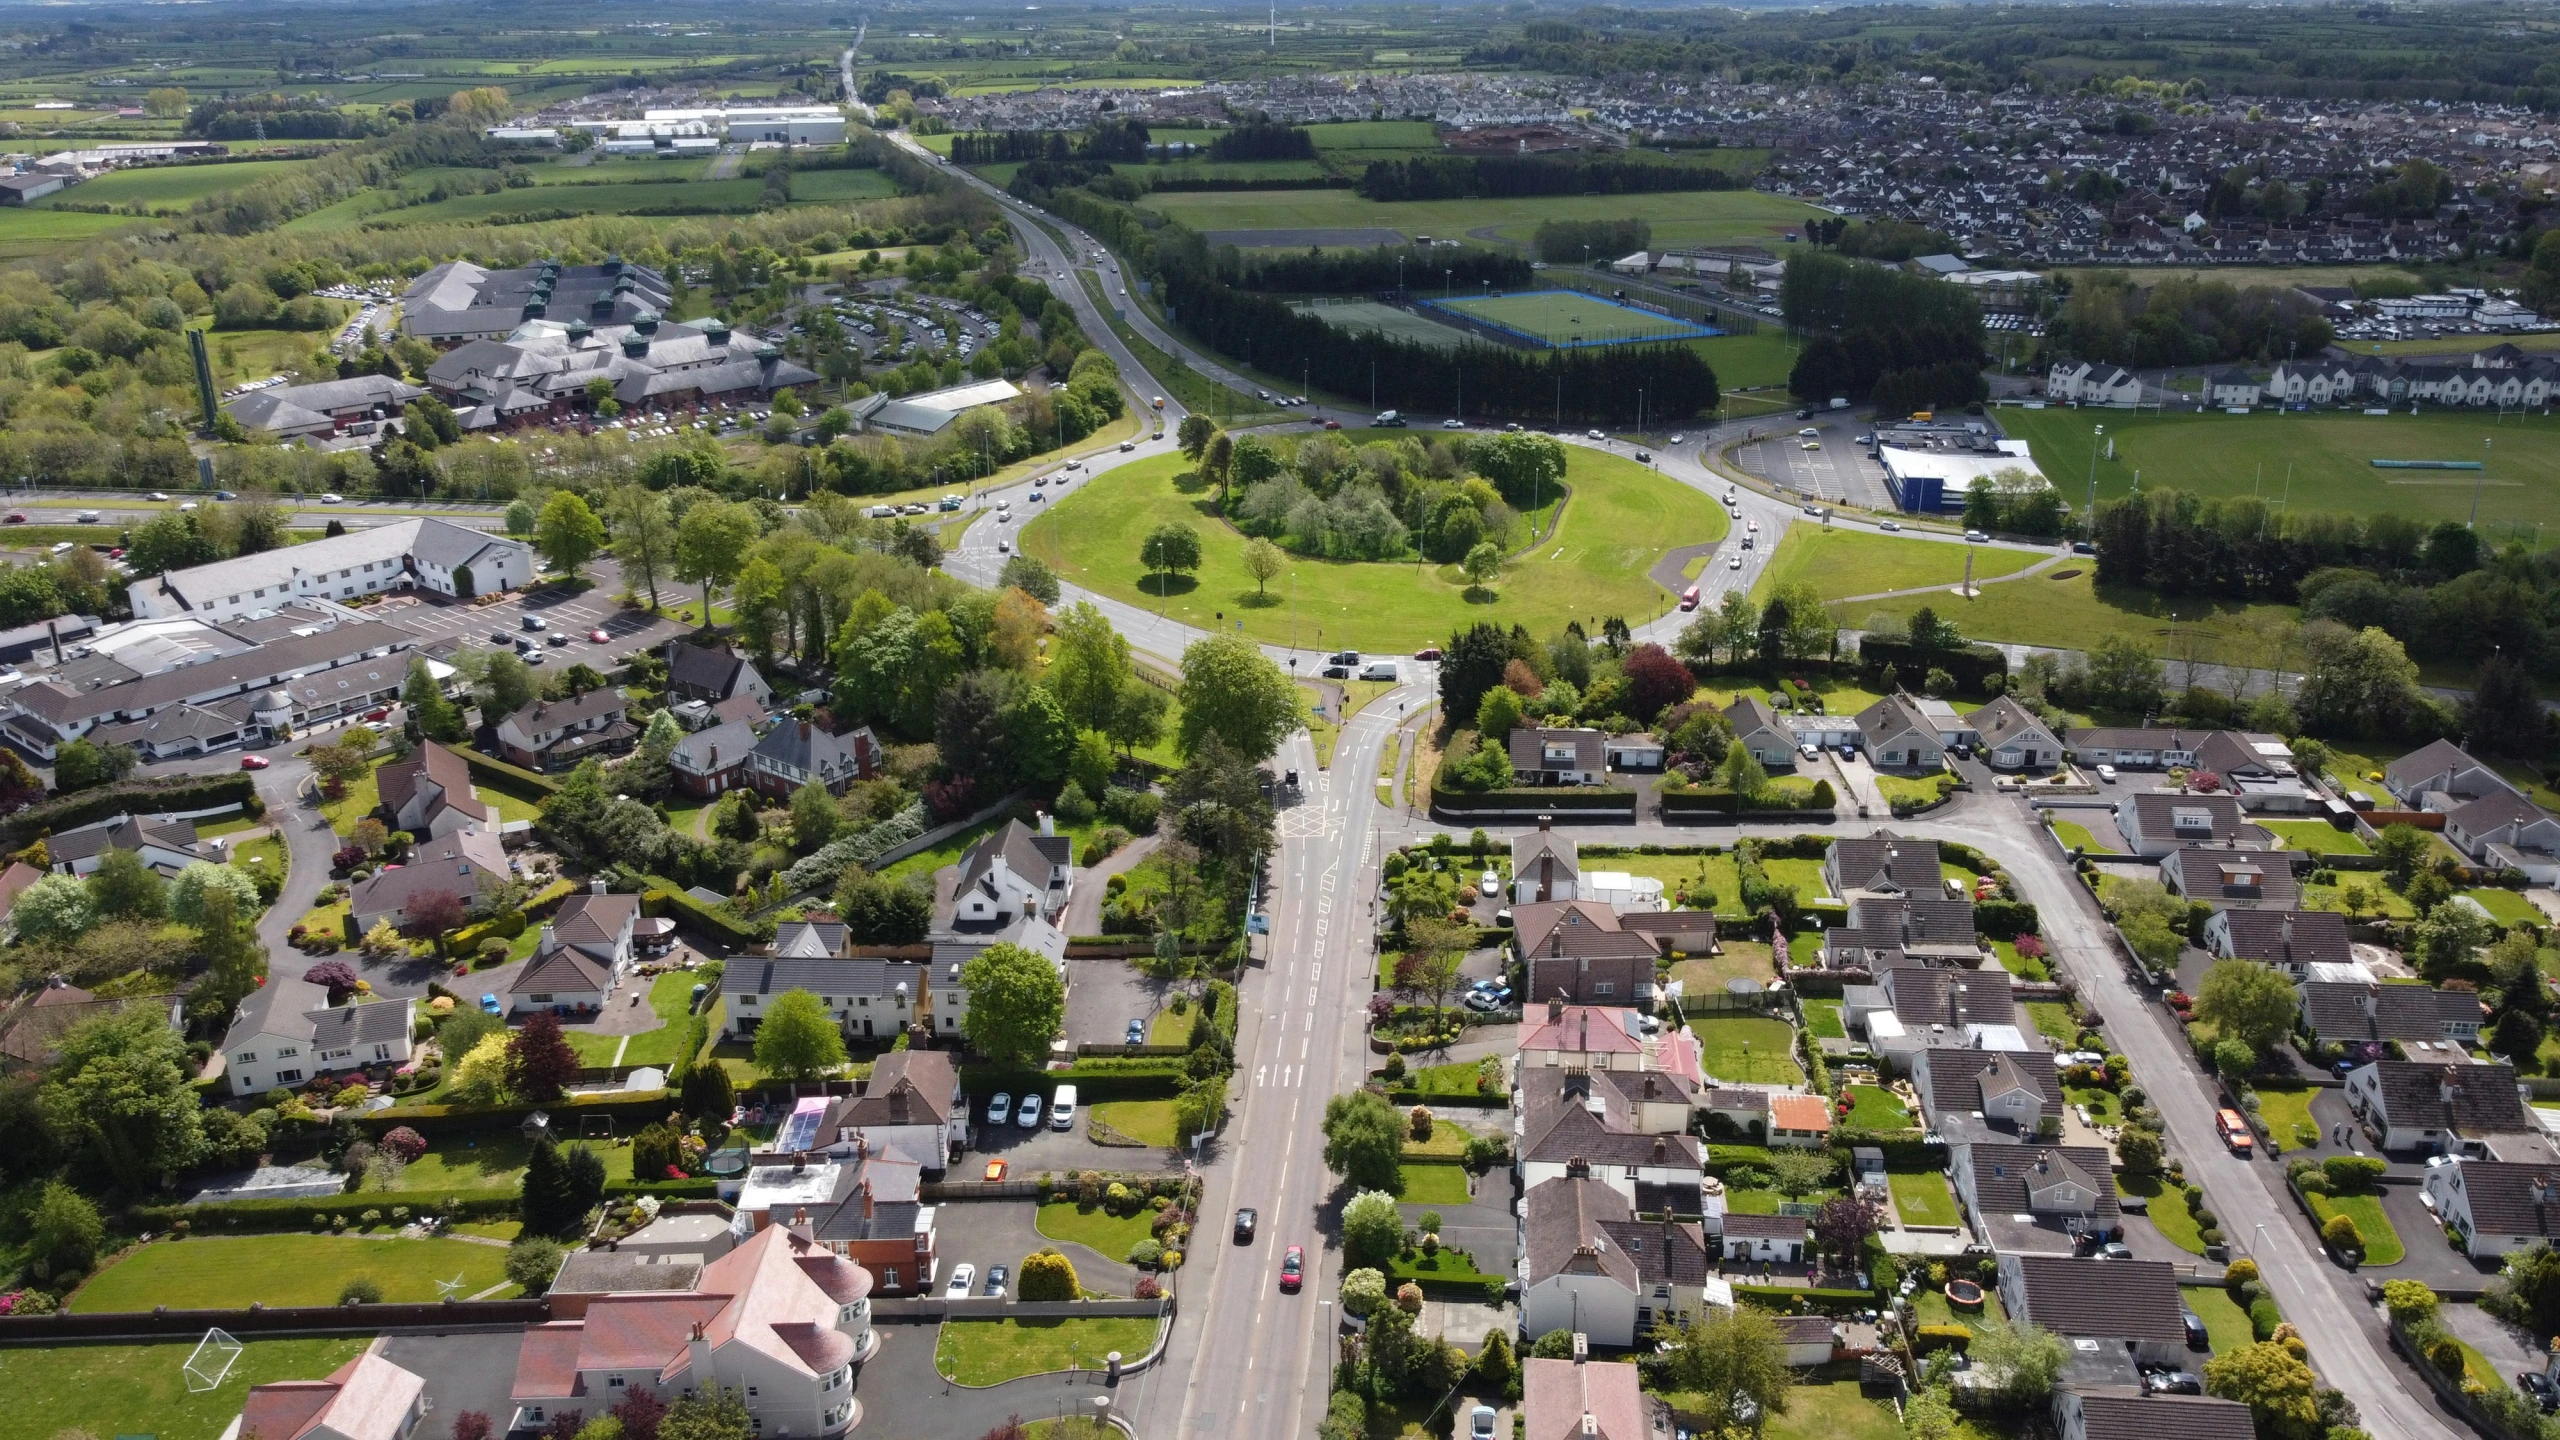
501 637
997 1275
1490 883
599 637
1137 1032
489 1003
964 1278
999 1108
1246 1219
1028 1116
253 762
2198 1338
1293 1269
2537 1387
1480 1423
2172 1382
1427 652
2107 774
535 622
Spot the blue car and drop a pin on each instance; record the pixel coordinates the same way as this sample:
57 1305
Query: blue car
489 1003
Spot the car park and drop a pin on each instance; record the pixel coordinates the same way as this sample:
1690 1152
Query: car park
1246 1219
1028 1117
1293 1269
964 1278
999 1108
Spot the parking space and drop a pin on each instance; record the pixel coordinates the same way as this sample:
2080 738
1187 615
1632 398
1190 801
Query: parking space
1103 996
1029 1152
1001 1232
568 617
1839 470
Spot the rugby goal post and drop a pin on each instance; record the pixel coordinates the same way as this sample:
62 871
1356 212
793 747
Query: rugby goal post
211 1361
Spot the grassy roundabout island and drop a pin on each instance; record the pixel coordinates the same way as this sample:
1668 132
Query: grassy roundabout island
1620 519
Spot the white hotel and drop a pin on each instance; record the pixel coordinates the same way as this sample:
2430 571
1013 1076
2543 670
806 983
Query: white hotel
414 554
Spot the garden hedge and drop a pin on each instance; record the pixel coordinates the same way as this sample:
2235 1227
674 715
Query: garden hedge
1154 1083
664 896
133 795
510 778
2005 919
1971 665
1783 1298
625 1108
296 1214
1543 797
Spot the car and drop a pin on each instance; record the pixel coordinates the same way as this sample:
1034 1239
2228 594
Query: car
161 496
535 657
1644 457
964 1278
2115 1250
2172 1382
1808 432
1813 510
1734 564
1889 526
2538 1388
599 637
1679 439
1593 435
996 1170
501 637
1075 465
1453 424
1137 1033
15 517
1975 537
254 762
1427 652
1337 672
2083 547
1293 1269
61 547
489 1003
999 1108
1004 547
2107 773
1754 528
1810 445
559 641
997 1275
333 498
1480 1423
2198 1338
1039 495
1479 1000
535 622
1809 750
1246 1219
86 517
1028 1116
1333 424
226 494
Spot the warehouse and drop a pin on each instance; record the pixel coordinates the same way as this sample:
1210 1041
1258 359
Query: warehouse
929 413
1931 466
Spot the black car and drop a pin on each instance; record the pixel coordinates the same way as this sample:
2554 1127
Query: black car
501 637
2197 1337
2538 1388
1337 672
2172 1382
1245 1221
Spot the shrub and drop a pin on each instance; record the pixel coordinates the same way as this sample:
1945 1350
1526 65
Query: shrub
2339 1233
1409 1298
1393 1070
533 1261
1048 1275
2241 1273
2445 1353
1421 1121
1941 1337
1363 1291
1146 1253
2352 1174
2409 1301
362 1290
1146 1289
2264 1318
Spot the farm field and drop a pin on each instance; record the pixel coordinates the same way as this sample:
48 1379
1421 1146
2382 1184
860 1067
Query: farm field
1680 217
2065 608
1840 563
167 187
1568 318
2217 454
38 231
1620 516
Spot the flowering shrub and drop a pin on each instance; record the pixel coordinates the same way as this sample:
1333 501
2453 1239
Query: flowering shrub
404 1142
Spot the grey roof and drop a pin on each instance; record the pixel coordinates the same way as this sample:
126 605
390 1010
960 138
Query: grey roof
378 1022
2510 1199
1579 929
1895 714
2338 1011
1023 853
122 832
2124 1413
2427 762
2102 1299
1960 1078
809 748
1764 1227
209 680
1919 917
2005 1176
2134 737
1749 713
2493 812
1925 995
622 1272
1561 1223
282 406
1665 1252
2483 1098
2222 877
1590 748
459 298
1560 1126
2158 815
2289 937
821 976
544 717
809 939
712 672
560 971
1886 860
2005 719
718 747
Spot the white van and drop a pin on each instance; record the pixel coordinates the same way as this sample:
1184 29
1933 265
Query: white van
1062 1108
1381 670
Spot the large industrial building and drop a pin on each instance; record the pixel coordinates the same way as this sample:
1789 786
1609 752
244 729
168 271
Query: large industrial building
414 554
459 301
743 124
1931 465
539 373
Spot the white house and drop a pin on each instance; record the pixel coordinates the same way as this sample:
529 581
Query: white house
1759 1239
368 1398
1897 735
2155 823
413 554
2311 382
1015 873
583 953
1544 865
2491 1207
286 1032
2084 382
1589 1266
2447 1109
165 843
2232 389
2014 739
872 999
1762 736
429 794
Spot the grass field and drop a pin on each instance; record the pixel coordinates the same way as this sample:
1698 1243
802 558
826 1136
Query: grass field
168 187
1922 1198
2217 454
227 1272
1748 1048
1098 1230
1744 362
1620 517
2317 836
2381 1242
38 231
2506 906
990 1352
1148 1120
1680 217
1568 318
142 1389
1840 563
2065 607
1364 316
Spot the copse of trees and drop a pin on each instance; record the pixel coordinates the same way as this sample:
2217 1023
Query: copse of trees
1343 272
1263 142
1905 342
2185 320
1565 242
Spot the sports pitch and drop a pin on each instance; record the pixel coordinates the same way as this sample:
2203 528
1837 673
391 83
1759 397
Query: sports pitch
1396 324
1566 319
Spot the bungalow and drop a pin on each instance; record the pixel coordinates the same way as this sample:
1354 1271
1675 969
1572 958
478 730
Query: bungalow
2231 878
2018 1089
1545 866
1576 951
1897 736
2034 1197
2491 1207
2155 823
464 865
1803 1121
2445 1109
2131 1305
2442 768
429 794
2134 748
165 843
557 734
1881 864
1762 736
2507 832
1558 757
2290 940
584 950
1765 1240
2121 1412
1588 1265
2351 1014
1014 873
368 1398
2014 739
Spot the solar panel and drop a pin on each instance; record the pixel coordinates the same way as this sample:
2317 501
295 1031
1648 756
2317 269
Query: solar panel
801 1130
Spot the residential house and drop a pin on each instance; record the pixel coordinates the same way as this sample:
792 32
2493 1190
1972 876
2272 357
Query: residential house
1014 873
710 762
583 953
368 1398
2232 389
946 973
1897 736
2507 832
2231 879
1881 864
862 1204
781 1322
1545 866
429 793
2157 822
2351 1014
1764 1240
2034 1197
2016 1089
31 1031
420 553
1558 757
2316 381
557 734
2492 1207
911 1106
2444 1109
2014 739
2127 1304
1580 1037
2083 382
1803 1121
2442 768
796 753
1655 1102
1760 733
466 864
1575 951
1589 1266
2290 940
2124 1412
1583 1399
286 1032
1635 750
164 842
2134 748
1564 1121
871 999
712 673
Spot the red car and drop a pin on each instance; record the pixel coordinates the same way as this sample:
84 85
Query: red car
599 637
1293 1268
253 762
1427 652
382 714
15 517
1333 424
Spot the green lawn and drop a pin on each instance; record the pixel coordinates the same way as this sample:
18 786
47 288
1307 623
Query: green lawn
1922 1198
2064 607
2317 836
1433 1184
1096 1229
1805 875
2224 1321
1822 1019
363 795
1840 563
1741 362
1148 1120
1873 1107
1707 974
1168 1028
2104 1107
2284 1109
1694 876
1833 1410
1748 1048
2507 907
26 232
670 995
1614 528
2381 1242
488 1160
170 187
1569 316
2022 966
2053 1018
105 1390
2076 835
2328 455
1689 217
2169 1213
218 1272
990 1352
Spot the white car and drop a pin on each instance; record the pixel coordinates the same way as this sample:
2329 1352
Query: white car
1809 752
1491 883
160 495
964 1278
1888 525
2107 773
1755 527
1808 432
1028 1116
333 498
62 547
1679 439
1480 1423
1975 537
999 1108
1734 564
1453 424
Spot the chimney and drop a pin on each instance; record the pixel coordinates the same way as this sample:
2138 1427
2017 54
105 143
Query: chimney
550 942
1661 1150
1577 1168
1546 823
2366 1002
866 1197
715 757
1048 823
54 634
1581 1348
1555 1010
804 732
596 886
799 1162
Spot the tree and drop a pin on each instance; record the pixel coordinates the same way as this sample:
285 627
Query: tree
1499 714
480 1075
2340 1234
881 911
1842 1225
1497 1369
1088 665
187 892
707 1096
2281 1392
2139 1148
644 537
2504 715
56 909
1170 549
1483 562
118 1093
1438 946
1734 1362
2529 1292
84 764
506 686
1032 576
720 1414
1372 1230
2359 682
2021 1360
1364 1141
1742 774
1016 1003
1194 434
435 716
124 888
1232 691
2400 848
2249 1002
65 1231
712 543
1262 560
814 816
540 1063
641 1413
1471 664
799 1040
568 534
2518 1037
1047 1275
2124 674
2234 1058
533 1262
1655 682
1801 1172
1554 1345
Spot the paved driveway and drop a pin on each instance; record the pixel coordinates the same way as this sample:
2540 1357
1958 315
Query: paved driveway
1103 996
1001 1232
2431 1257
1030 1152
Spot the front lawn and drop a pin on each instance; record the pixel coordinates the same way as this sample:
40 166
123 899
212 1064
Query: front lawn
142 1389
2381 1242
1805 875
990 1352
1096 1229
228 1272
1435 1184
1748 1048
2283 1110
2076 836
2025 967
2316 836
1872 1107
671 996
265 855
2169 1213
1458 1077
2104 1107
1833 1410
2053 1019
1147 1120
2225 1323
1169 1028
1922 1198
362 797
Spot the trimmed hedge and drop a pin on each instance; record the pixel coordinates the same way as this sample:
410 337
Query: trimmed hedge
1828 1302
638 1108
146 796
297 1214
503 775
665 895
2005 919
1535 797
1155 1083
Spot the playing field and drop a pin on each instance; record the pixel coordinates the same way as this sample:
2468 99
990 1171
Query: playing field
2329 455
168 187
1363 316
2065 608
1679 217
1840 563
1617 524
1569 319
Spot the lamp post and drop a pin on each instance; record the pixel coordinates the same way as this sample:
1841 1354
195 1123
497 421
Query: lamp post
2474 522
2094 436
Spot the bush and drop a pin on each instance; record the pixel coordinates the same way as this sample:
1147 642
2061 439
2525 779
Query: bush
1146 1253
2409 1301
2352 1174
533 1262
1048 1275
2242 1272
362 1290
2264 1318
2339 1233
1363 1291
1941 1337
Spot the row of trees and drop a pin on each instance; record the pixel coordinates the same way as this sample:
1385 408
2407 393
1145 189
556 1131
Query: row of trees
1456 177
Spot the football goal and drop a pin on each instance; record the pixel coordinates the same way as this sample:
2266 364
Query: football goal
211 1362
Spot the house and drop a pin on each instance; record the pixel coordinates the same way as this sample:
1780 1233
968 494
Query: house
1897 736
2442 768
1558 757
1580 1037
1635 750
419 553
2014 739
1760 733
1654 1102
863 1204
1926 996
429 793
1545 866
2017 1089
1764 1240
2134 748
165 843
2290 940
2232 389
1589 1266
946 988
584 950
557 734
2128 1304
2033 1197
286 1032
2082 382
2155 822
368 1398
2492 1207
1568 1125
870 999
31 1031
1799 1120
2507 832
2231 879
781 1322
710 762
2351 1014
1584 1399
2123 1412
1014 873
1881 864
797 752
2444 1109
1575 951
324 408
712 673
2311 382
911 1106
466 865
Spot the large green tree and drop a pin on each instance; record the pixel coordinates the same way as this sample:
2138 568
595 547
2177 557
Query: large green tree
435 716
1016 1003
712 542
568 534
1231 690
1088 665
797 1039
1372 1229
1734 1362
2282 1394
2247 1001
1364 1141
2024 1359
644 537
118 1091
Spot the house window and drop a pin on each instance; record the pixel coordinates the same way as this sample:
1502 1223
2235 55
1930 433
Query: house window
889 1277
613 1382
287 1077
1604 988
541 999
282 1051
245 1057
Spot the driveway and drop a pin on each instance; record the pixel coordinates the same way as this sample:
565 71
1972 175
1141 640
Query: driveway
902 1394
464 1371
563 610
2431 1257
1001 1232
1483 1227
1103 996
1029 1152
